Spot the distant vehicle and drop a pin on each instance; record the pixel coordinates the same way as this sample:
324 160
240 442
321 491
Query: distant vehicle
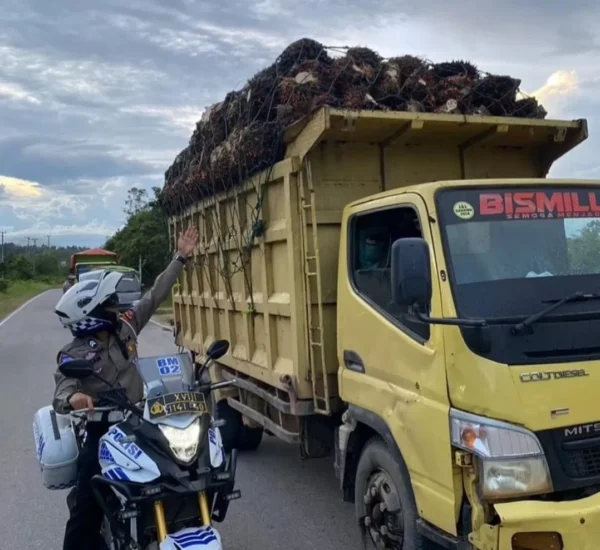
129 289
95 258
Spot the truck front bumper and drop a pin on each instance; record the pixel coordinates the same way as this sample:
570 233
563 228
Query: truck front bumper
530 525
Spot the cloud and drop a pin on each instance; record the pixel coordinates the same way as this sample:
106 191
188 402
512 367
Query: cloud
16 93
559 83
94 228
97 98
14 188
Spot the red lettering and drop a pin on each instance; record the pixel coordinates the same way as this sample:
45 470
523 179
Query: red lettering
577 207
594 202
552 203
568 203
490 204
508 204
525 203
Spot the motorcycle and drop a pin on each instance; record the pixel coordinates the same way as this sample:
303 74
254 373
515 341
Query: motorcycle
165 476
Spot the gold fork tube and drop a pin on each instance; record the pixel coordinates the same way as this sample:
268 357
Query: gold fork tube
161 523
204 511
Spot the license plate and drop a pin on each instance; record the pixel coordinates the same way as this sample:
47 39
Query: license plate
176 403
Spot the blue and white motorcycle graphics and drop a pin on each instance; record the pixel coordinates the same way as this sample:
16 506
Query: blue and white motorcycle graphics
122 460
125 461
206 538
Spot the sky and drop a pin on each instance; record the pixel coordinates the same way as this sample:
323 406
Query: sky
97 97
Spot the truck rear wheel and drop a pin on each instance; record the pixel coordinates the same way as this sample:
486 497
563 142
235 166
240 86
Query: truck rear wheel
234 433
384 504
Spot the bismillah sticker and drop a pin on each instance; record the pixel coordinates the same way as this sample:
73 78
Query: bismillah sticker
464 210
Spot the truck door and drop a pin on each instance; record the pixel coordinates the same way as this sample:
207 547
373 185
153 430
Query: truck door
392 364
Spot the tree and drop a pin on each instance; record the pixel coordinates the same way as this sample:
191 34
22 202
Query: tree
136 201
145 235
584 249
20 268
47 264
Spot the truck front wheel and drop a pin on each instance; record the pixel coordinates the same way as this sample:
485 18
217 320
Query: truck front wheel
385 507
235 434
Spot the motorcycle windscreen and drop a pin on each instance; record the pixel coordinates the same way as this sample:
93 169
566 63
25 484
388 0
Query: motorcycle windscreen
164 374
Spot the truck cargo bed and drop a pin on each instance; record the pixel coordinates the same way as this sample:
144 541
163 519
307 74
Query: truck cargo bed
264 279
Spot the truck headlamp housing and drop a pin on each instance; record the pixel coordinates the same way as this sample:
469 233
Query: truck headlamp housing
510 458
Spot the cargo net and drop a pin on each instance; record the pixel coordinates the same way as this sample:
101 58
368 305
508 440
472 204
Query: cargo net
243 135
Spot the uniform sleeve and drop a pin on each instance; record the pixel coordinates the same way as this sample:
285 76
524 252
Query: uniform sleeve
147 306
64 387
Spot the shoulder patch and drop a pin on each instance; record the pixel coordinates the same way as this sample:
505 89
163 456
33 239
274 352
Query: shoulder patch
92 343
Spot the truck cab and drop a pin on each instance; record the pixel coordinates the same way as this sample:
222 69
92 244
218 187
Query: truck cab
467 326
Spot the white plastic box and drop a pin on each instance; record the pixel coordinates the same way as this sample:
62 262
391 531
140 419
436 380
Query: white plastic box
56 448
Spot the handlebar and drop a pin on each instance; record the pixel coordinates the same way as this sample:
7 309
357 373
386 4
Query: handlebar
99 414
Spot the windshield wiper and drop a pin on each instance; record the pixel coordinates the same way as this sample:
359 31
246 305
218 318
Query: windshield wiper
577 297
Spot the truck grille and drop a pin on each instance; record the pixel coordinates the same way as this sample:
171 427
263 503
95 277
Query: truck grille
573 455
582 462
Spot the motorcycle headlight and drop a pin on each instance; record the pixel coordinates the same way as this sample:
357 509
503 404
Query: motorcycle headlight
183 441
511 459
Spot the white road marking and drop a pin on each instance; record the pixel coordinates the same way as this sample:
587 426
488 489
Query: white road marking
164 327
11 315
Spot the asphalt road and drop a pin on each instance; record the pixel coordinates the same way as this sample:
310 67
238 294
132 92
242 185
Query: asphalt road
285 503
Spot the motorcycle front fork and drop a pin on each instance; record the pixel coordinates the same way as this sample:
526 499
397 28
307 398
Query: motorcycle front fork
161 523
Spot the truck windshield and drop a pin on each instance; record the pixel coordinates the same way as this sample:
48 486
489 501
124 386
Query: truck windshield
510 249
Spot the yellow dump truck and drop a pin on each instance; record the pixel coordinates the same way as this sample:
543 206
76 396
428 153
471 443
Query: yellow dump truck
418 300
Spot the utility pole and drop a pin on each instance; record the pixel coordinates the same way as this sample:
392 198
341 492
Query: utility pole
27 251
48 237
2 257
35 240
140 263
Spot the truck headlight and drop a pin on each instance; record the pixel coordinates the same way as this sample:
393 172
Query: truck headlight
511 459
183 441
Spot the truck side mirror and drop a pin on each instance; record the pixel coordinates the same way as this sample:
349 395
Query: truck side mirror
411 273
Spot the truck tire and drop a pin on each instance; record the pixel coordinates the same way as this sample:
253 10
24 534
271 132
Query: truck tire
250 438
234 434
384 503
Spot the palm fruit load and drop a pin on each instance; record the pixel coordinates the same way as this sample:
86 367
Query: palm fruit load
242 135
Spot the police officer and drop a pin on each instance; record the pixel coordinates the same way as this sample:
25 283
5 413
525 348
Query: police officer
109 341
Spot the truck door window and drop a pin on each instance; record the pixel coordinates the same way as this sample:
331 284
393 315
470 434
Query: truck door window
372 236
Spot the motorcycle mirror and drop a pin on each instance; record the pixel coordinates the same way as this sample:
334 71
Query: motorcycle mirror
77 368
217 349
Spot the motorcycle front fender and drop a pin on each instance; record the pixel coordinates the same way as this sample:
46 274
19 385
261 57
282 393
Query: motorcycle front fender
193 538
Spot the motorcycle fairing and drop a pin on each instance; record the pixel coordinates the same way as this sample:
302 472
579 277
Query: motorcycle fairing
125 461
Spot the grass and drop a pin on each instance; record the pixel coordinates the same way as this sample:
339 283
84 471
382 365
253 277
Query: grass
164 314
18 293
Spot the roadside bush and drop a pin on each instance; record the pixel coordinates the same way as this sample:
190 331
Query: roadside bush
3 284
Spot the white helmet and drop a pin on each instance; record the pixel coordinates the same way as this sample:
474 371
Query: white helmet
83 307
